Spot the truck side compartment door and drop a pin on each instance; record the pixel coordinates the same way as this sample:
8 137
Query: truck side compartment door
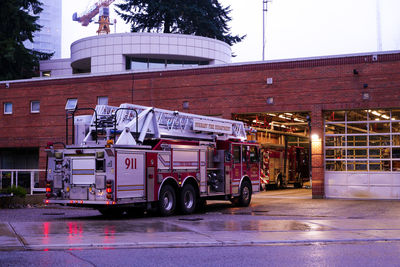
130 174
237 168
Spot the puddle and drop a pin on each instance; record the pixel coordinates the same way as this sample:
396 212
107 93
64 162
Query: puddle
260 225
251 213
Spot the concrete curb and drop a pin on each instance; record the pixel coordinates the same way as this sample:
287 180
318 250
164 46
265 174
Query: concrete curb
142 245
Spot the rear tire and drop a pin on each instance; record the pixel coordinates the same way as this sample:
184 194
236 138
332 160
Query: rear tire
167 201
188 199
278 182
245 194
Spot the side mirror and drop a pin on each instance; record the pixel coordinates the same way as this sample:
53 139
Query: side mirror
228 156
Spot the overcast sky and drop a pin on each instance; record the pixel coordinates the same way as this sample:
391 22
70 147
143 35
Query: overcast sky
294 28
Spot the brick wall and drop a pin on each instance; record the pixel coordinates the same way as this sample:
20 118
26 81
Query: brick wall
312 85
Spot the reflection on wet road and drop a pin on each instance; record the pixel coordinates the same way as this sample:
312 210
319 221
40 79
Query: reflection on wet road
259 225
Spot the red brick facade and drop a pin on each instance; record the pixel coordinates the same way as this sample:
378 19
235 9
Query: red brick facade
311 85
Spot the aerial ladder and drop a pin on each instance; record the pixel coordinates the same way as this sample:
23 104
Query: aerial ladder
100 7
131 124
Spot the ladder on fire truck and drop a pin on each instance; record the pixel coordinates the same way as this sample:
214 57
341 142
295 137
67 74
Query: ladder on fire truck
135 123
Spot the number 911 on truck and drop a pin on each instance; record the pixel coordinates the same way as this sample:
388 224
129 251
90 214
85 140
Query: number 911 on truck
131 156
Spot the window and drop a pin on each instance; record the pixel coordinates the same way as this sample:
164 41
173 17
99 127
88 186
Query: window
46 73
71 104
236 154
245 150
102 100
157 64
8 108
35 106
253 154
136 63
133 63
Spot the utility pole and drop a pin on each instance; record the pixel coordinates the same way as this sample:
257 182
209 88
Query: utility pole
265 9
378 26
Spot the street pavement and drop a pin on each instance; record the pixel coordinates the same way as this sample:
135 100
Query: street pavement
288 216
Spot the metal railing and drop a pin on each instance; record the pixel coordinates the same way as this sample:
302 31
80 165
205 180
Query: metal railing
26 178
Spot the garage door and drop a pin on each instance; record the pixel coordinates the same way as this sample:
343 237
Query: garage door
362 154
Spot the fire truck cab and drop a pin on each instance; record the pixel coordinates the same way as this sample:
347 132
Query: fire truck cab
135 156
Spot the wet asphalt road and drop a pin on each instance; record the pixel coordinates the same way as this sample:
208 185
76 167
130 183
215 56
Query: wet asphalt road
281 228
336 254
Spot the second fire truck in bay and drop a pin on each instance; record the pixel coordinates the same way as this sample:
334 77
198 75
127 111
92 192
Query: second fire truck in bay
135 156
282 165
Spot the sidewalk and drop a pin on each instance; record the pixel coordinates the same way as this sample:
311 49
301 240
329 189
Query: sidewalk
51 235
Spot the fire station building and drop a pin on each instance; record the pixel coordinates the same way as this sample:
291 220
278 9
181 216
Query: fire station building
344 109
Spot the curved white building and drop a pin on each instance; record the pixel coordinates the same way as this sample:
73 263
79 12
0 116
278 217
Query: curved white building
137 52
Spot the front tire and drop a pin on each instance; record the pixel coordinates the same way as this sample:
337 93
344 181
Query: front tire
245 194
278 182
167 201
188 199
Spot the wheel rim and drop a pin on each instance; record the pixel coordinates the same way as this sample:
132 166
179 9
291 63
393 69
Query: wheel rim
246 193
188 199
167 201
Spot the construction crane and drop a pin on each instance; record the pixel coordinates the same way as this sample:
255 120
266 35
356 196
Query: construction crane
99 7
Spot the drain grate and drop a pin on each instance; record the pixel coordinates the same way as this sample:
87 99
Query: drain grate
191 219
53 213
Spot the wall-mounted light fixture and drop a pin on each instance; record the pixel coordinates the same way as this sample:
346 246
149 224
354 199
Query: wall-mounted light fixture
315 138
355 72
185 104
270 100
316 144
7 85
270 81
365 85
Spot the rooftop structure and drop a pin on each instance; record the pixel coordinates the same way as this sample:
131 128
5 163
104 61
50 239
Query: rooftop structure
137 51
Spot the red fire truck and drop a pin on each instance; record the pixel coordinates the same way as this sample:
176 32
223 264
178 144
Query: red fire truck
134 156
283 165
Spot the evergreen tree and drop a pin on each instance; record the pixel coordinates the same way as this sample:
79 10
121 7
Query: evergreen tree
199 17
17 24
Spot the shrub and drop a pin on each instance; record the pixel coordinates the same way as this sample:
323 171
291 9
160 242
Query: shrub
15 190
